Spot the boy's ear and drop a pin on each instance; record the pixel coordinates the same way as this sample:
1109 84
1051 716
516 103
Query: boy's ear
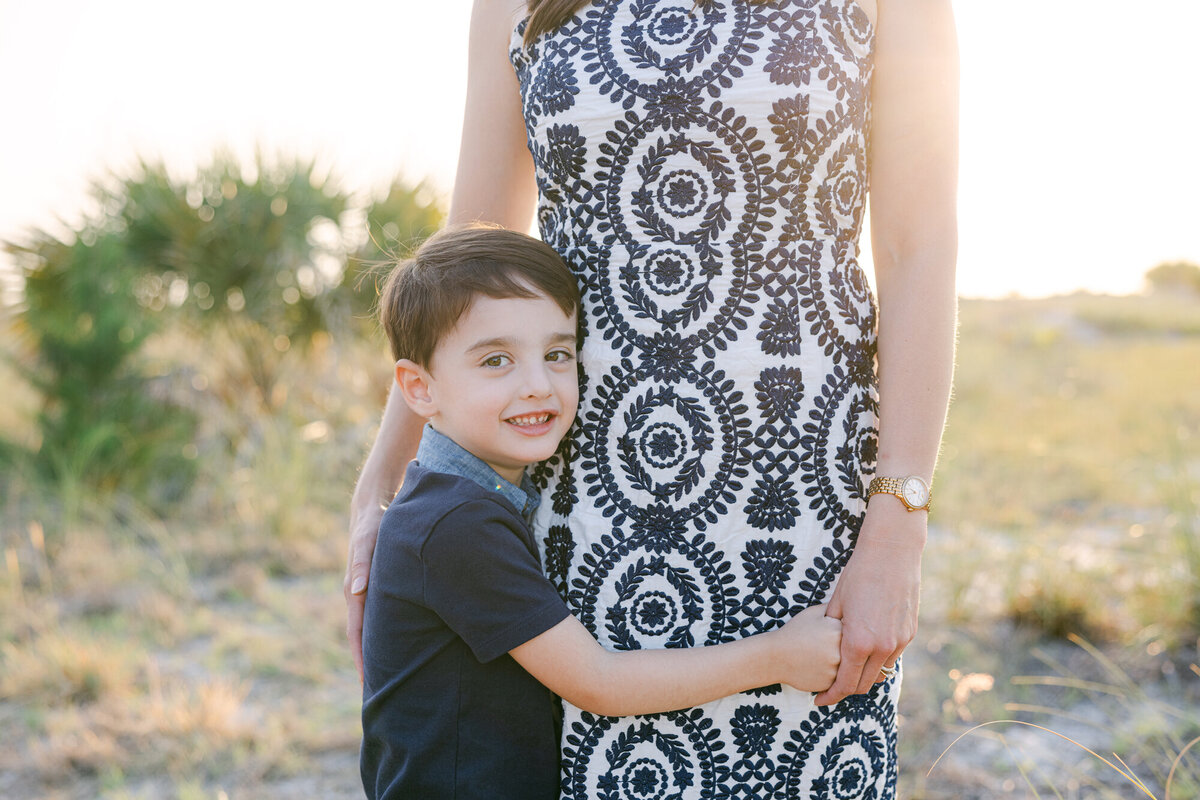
415 383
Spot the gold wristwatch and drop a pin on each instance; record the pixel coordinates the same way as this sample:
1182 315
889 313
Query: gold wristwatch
912 491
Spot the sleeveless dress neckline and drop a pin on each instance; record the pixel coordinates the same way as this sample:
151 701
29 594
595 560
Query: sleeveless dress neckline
515 37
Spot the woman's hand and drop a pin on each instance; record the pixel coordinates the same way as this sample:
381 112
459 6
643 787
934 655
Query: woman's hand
364 531
395 445
877 596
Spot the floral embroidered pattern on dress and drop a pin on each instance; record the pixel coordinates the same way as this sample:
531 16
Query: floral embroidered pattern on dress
703 172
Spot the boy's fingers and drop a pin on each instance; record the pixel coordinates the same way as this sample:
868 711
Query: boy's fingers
848 675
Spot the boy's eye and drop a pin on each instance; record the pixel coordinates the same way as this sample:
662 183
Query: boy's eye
495 361
559 355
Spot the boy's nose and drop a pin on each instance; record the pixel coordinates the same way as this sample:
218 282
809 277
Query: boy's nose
537 381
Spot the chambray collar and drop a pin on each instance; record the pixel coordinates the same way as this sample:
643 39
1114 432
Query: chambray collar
440 453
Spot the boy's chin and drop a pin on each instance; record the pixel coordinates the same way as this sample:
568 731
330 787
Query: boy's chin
538 456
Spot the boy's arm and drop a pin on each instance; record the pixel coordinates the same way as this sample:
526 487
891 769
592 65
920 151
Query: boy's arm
572 664
482 578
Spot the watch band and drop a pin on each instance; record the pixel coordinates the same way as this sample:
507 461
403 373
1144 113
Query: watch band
885 486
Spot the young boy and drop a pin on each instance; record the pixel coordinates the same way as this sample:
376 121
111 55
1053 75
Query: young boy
465 642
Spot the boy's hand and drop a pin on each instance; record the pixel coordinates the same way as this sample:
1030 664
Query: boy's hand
810 649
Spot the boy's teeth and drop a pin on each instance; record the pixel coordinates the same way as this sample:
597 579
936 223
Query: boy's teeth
532 419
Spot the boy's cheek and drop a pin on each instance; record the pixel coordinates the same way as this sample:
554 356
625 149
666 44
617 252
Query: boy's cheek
571 401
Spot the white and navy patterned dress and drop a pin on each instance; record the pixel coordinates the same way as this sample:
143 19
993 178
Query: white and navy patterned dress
703 172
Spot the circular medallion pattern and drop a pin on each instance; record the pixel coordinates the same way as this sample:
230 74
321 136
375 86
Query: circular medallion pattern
655 591
668 272
841 430
647 446
848 753
671 755
645 50
679 252
672 25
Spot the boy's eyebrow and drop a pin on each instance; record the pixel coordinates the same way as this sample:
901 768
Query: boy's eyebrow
562 337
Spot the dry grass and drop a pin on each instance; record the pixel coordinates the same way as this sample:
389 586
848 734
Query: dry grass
203 653
1052 422
1069 464
1067 503
66 667
203 656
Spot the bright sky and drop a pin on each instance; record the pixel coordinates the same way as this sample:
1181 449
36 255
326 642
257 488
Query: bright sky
1080 163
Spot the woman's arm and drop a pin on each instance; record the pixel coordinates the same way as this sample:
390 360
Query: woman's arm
494 183
914 165
572 664
395 445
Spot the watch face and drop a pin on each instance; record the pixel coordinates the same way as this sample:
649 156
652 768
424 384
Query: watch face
914 492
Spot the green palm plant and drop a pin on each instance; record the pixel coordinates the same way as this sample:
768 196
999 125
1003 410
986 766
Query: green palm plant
396 224
80 329
255 253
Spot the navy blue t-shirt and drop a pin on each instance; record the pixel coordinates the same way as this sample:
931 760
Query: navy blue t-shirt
447 713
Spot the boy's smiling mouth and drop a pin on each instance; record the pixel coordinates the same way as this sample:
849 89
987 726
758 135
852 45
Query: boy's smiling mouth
530 420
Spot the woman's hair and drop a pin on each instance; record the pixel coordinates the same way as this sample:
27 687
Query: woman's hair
550 15
424 296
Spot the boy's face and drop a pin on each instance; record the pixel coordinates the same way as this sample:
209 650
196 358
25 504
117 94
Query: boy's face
503 383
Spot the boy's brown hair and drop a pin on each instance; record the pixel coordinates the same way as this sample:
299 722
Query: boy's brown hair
425 295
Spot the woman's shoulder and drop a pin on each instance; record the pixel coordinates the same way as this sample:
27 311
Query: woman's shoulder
504 15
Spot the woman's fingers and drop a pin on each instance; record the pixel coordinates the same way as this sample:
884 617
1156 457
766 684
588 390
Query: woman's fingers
856 655
355 603
888 670
354 587
863 657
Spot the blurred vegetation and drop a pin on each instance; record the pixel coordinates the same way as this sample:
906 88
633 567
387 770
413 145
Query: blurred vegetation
104 420
192 379
254 261
396 224
252 257
1175 276
1069 464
